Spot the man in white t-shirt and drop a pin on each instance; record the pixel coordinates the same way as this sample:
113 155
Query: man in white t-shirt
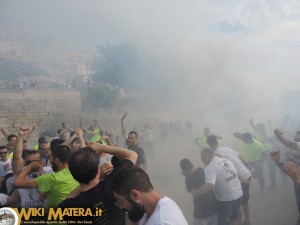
243 170
4 160
135 194
29 198
221 176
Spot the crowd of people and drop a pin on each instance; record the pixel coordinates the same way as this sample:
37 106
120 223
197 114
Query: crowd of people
84 169
94 169
228 174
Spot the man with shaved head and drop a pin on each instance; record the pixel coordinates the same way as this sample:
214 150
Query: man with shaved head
222 177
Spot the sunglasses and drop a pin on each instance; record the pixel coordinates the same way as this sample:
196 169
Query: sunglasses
30 161
3 153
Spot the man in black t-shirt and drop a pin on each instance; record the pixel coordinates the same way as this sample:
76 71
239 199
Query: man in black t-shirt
132 144
205 206
94 194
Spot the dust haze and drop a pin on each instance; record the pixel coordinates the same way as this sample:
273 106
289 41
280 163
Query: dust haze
214 63
202 57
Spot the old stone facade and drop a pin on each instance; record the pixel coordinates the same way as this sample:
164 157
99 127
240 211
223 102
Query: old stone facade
47 109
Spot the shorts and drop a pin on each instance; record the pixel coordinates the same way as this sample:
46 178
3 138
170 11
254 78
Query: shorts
228 211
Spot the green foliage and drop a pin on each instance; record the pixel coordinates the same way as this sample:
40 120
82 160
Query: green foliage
116 64
99 96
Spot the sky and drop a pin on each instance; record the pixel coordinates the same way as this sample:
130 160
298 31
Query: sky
219 57
217 63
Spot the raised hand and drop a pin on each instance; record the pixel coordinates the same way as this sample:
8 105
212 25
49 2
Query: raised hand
105 169
293 171
278 132
24 130
79 132
275 156
123 117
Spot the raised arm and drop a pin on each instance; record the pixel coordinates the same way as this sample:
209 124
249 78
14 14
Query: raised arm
69 141
79 133
31 129
5 132
292 171
80 123
120 153
289 168
21 180
67 127
18 161
285 141
123 130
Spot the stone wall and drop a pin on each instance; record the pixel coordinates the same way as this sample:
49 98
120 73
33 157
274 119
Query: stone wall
45 109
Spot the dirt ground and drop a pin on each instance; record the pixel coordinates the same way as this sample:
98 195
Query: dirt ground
277 207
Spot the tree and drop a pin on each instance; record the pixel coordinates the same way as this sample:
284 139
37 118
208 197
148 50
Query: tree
116 64
99 96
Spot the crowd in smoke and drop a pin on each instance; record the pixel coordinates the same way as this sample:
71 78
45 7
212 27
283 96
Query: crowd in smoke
266 148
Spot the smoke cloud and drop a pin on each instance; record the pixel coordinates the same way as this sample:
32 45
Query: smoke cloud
208 59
